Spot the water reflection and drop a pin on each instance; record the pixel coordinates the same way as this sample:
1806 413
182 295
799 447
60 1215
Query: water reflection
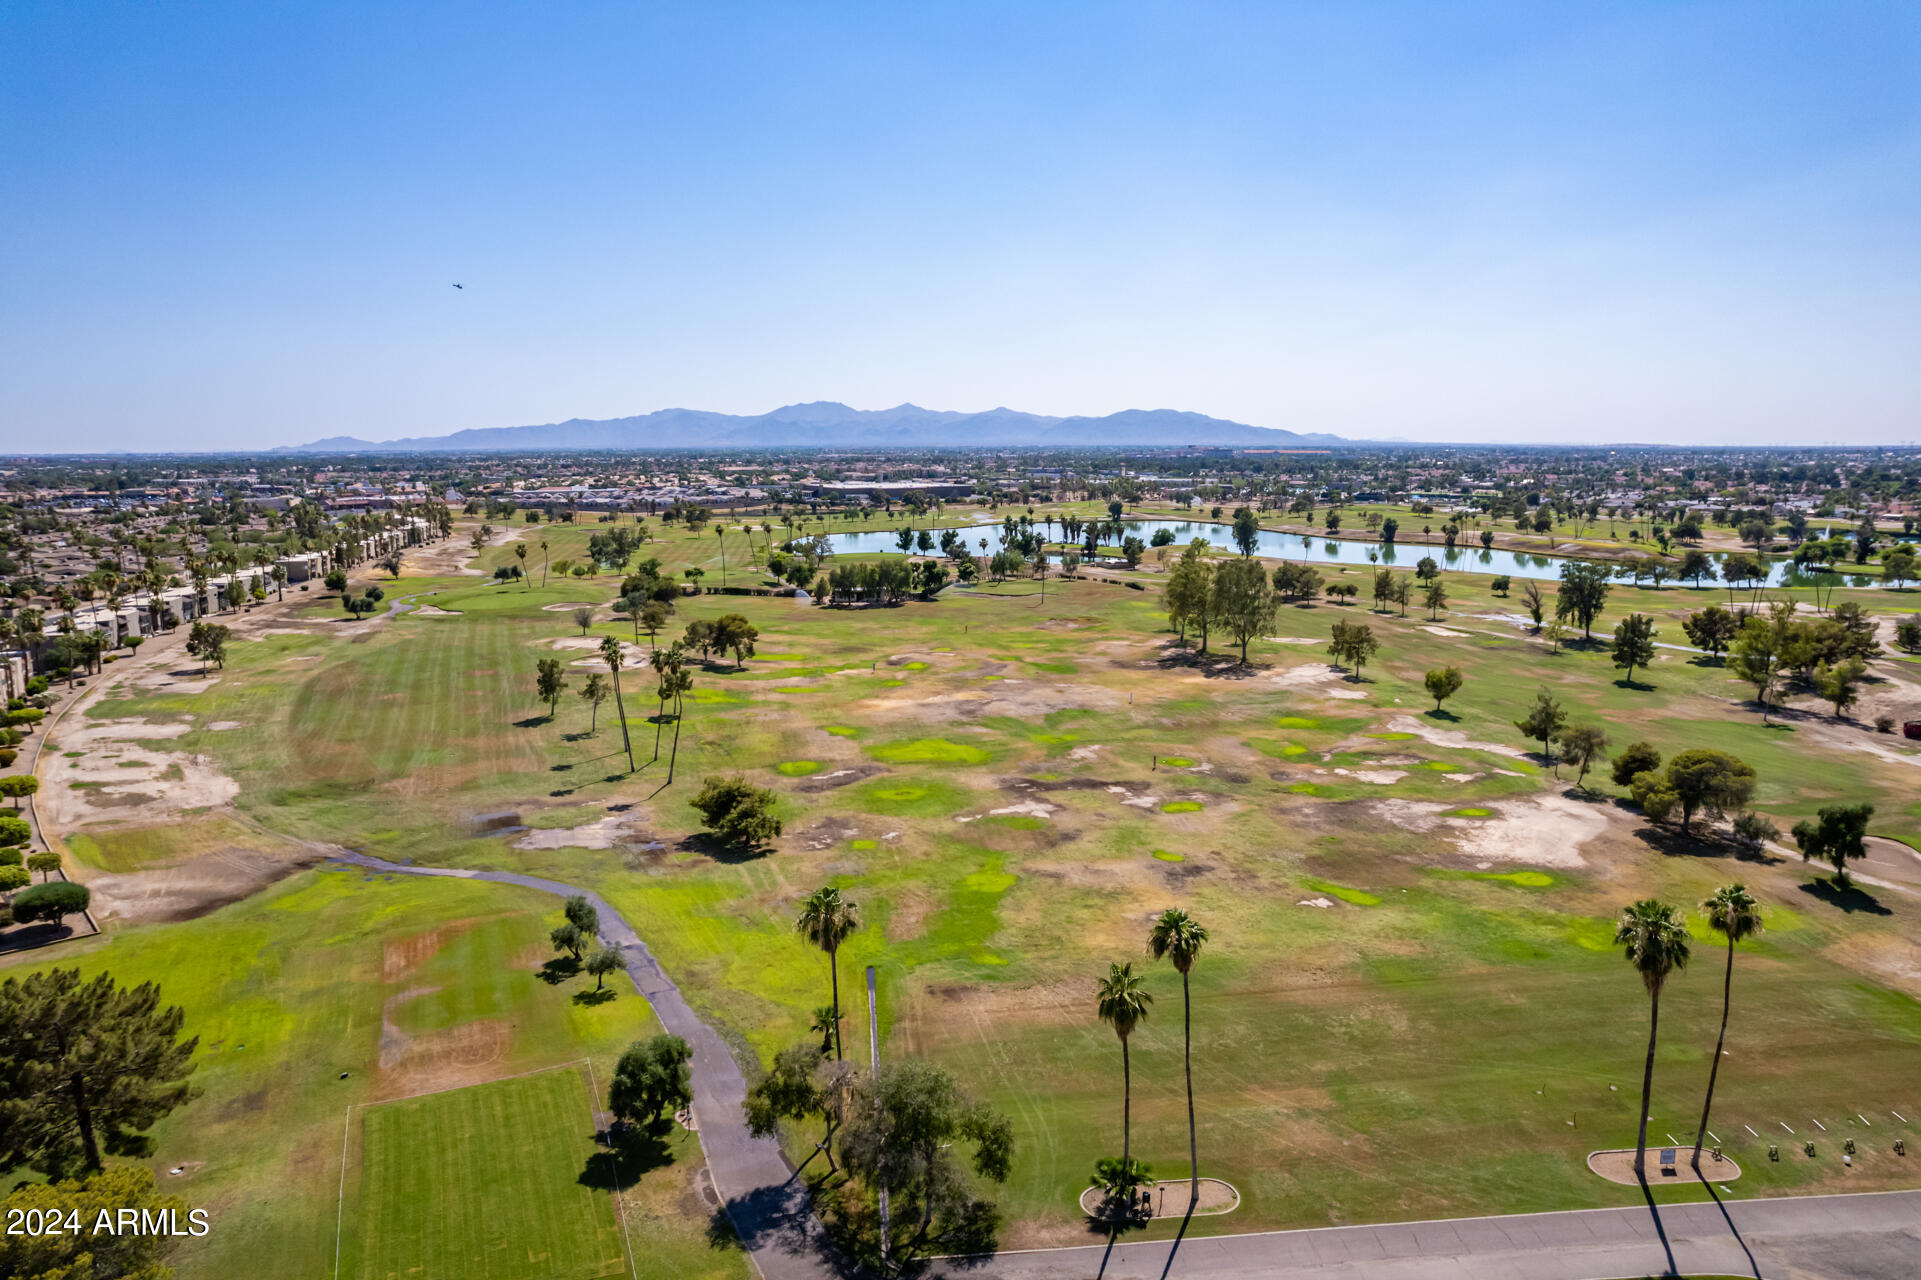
1342 551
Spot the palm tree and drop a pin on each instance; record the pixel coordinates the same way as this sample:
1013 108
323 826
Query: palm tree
1734 914
520 554
1656 942
543 562
1179 937
826 919
610 654
1122 999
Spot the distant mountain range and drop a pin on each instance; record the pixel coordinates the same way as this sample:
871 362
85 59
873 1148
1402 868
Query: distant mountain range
826 423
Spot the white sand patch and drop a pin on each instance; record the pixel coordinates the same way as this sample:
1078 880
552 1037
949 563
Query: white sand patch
1450 737
126 782
1380 777
603 833
1322 903
1307 673
435 611
1294 640
1461 777
567 606
221 726
1346 693
1026 809
1545 831
1138 802
1443 631
1087 752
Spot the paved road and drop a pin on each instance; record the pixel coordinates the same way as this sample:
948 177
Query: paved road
767 1203
1859 1237
1856 1237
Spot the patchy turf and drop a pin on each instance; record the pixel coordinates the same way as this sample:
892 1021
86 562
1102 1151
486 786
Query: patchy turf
1376 1059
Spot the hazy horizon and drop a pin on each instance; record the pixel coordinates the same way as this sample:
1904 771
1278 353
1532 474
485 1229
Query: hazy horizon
229 228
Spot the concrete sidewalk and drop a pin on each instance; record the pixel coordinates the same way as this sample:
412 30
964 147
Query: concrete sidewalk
1851 1237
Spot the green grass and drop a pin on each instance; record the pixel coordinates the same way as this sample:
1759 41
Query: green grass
483 1182
1353 897
798 768
1182 806
1354 1064
1177 762
930 751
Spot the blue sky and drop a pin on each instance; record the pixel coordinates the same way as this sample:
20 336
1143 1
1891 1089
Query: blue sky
238 225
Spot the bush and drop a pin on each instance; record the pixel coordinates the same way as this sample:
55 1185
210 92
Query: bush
1752 831
1652 793
1635 758
53 901
13 831
8 755
1884 724
737 813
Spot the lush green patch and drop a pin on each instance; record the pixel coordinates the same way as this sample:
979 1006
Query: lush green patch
799 768
1469 811
1177 762
1182 806
909 798
841 730
1297 722
1166 856
483 1181
1356 897
930 751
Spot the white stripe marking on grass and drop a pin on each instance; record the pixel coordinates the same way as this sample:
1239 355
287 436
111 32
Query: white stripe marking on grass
1898 1116
340 1202
1676 1141
1817 1124
1751 1132
1864 1120
620 1205
1714 1135
1784 1125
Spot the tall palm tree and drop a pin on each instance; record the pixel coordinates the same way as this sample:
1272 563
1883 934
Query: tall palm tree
520 554
1179 937
543 562
826 919
1734 914
1122 1000
611 655
1656 942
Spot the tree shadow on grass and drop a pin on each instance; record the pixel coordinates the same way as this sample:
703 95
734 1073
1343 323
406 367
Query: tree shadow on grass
594 996
730 854
1851 899
532 722
558 970
1438 714
1676 843
628 1153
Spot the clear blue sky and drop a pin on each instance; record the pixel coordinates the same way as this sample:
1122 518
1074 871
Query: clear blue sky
238 225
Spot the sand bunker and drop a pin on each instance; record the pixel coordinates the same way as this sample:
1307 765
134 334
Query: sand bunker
434 611
122 779
567 606
603 833
1453 738
1443 631
1545 831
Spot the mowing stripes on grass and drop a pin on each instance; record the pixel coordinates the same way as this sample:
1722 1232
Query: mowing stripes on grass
482 1182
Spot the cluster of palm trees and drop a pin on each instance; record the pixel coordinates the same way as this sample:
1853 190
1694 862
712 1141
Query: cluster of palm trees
1654 937
1122 1001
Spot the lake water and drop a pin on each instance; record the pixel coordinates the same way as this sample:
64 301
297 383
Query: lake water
1334 551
